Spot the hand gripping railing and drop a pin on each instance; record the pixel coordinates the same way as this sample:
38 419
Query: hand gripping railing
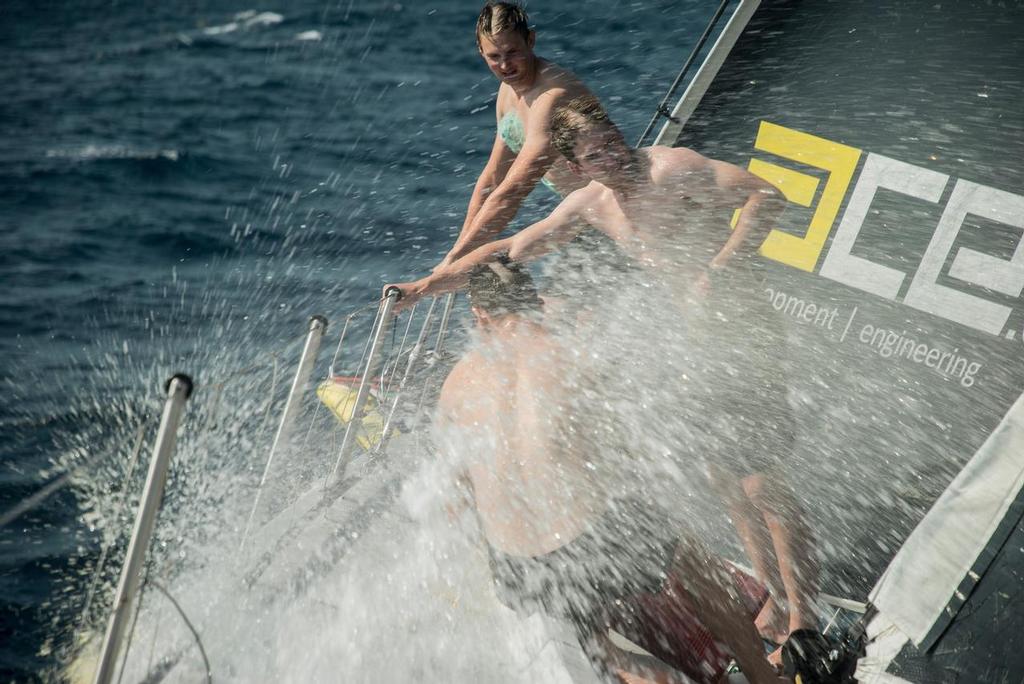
179 388
317 327
381 327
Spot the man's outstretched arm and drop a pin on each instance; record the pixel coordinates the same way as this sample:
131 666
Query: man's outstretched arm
761 205
561 226
500 206
454 276
492 176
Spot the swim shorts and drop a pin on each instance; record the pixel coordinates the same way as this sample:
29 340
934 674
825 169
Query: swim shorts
625 552
618 575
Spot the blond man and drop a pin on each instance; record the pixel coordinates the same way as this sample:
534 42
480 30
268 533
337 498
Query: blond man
521 156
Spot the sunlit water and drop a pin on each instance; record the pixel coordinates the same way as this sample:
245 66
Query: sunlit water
183 188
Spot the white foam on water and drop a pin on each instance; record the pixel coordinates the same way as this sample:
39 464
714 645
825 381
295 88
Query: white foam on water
245 20
99 151
309 35
410 596
253 18
218 30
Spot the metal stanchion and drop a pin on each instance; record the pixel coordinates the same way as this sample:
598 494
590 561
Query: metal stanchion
385 387
179 388
442 334
372 359
414 355
442 331
317 327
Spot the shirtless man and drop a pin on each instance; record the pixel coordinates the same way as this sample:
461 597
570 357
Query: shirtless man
522 156
669 209
556 539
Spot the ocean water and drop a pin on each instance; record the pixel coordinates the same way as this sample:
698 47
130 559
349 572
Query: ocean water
183 184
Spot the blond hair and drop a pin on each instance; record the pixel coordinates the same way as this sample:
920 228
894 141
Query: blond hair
496 17
570 118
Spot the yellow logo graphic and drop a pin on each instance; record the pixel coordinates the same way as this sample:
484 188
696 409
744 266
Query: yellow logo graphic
799 188
948 291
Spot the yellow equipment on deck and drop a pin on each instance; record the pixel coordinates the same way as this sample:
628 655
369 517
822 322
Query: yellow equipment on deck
339 395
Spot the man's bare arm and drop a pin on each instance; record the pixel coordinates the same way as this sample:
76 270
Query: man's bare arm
561 226
493 174
761 204
558 228
533 161
454 276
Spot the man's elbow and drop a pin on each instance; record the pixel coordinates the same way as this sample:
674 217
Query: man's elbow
766 202
517 249
523 248
770 196
508 195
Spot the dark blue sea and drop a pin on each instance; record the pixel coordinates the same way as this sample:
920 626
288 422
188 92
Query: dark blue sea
184 183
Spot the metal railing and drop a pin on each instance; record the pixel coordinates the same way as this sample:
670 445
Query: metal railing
317 328
179 388
380 330
394 387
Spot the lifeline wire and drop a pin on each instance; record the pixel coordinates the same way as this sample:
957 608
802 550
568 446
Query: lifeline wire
191 627
35 500
344 330
270 397
663 109
401 350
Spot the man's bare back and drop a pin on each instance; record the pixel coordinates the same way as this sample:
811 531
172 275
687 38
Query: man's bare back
557 539
674 217
505 405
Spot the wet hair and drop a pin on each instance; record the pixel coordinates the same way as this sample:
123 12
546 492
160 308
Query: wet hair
503 287
570 118
496 17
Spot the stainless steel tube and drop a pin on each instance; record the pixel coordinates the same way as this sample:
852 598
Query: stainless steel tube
442 335
414 355
442 331
317 327
707 72
179 388
373 358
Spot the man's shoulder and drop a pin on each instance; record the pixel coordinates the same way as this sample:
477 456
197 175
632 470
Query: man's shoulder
468 392
457 384
668 163
556 83
552 75
591 191
590 195
503 100
676 158
464 368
